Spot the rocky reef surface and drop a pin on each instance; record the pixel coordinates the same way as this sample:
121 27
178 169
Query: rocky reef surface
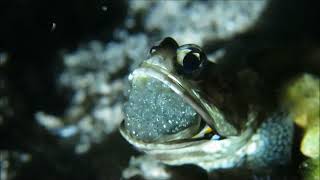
63 78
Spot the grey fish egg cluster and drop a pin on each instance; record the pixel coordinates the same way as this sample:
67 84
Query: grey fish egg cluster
153 110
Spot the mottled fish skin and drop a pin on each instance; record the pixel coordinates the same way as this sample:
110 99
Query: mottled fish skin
272 142
162 119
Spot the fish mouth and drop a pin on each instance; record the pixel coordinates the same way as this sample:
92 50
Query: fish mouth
190 145
182 88
194 131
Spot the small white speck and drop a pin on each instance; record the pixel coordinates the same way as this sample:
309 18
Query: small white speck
67 131
25 157
133 132
82 148
3 58
104 8
251 148
53 26
215 137
164 126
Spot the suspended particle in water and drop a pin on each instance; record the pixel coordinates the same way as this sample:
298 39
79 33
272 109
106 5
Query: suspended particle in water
53 26
215 137
104 8
3 58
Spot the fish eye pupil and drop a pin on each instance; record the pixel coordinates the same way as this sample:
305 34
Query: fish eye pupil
190 63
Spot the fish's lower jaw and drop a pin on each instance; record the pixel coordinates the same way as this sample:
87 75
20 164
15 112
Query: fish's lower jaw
258 151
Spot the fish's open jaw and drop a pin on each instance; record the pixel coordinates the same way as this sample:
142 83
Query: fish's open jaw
155 113
145 100
181 88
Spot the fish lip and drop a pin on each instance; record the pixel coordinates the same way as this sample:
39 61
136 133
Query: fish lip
182 144
149 146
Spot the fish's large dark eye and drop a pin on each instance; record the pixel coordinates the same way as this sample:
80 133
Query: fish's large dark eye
191 62
190 59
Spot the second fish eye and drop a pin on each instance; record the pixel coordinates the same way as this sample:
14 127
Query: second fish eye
191 62
190 58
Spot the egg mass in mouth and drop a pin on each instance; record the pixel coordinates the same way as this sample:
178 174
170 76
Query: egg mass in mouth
154 111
